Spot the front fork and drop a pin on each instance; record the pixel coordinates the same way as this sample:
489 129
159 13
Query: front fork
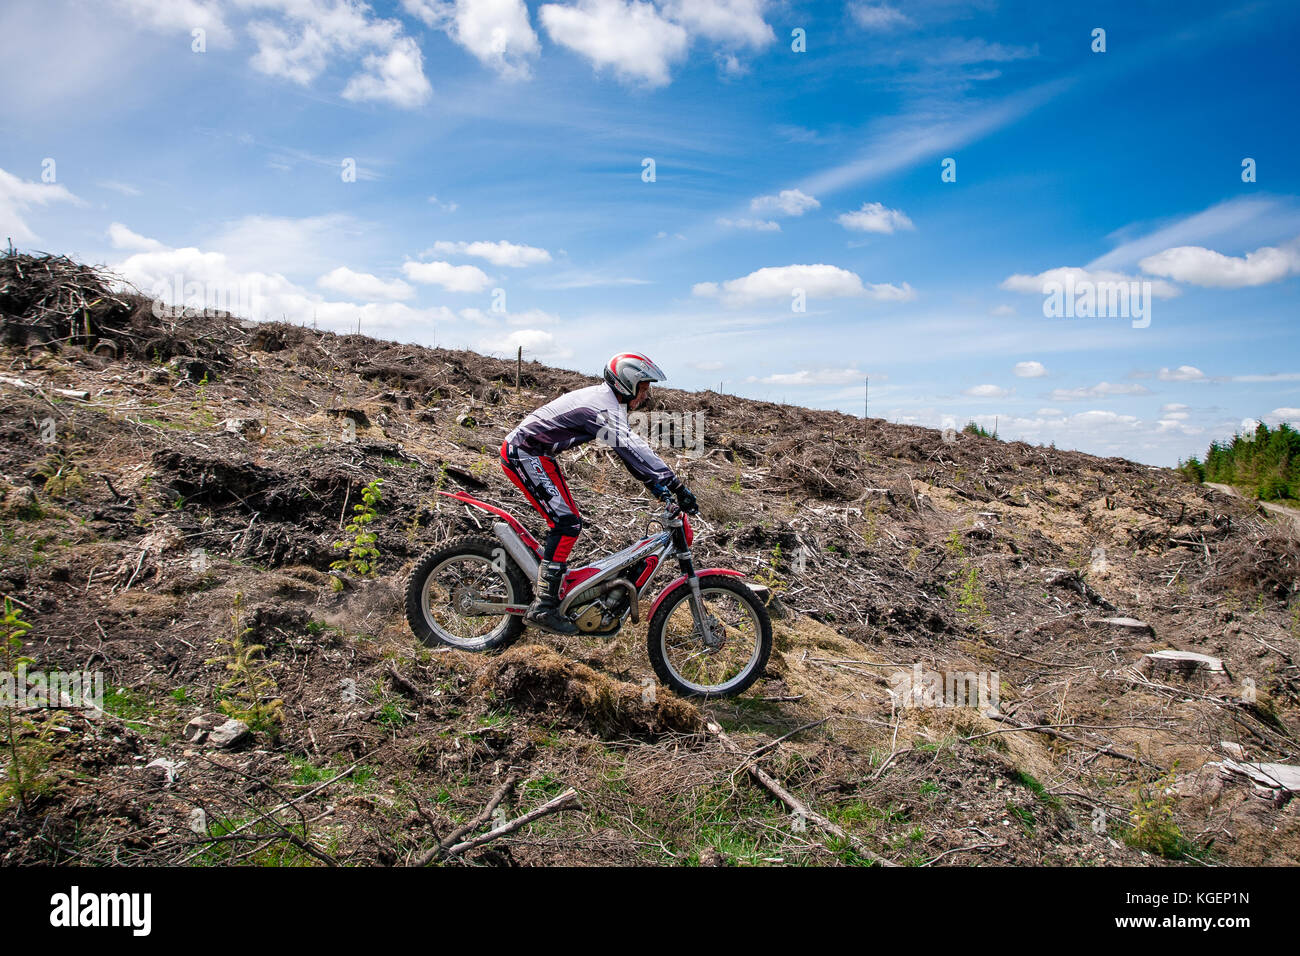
703 626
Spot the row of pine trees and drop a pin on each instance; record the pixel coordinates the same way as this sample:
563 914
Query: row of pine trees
1265 464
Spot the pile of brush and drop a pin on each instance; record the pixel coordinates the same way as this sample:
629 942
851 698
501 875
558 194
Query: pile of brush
49 301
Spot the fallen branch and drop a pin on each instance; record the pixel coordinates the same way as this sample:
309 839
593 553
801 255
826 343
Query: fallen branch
29 386
483 817
1050 732
564 801
793 802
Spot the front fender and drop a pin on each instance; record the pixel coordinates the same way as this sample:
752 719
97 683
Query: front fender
703 574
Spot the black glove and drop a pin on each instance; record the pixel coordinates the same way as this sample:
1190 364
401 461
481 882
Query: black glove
685 500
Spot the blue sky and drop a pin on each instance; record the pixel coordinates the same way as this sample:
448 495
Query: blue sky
500 195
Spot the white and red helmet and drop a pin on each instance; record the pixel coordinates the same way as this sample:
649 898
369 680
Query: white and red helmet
625 371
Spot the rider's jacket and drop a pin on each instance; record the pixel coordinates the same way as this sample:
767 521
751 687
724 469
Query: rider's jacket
579 416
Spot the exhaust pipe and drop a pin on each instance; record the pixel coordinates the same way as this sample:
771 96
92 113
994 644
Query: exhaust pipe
516 548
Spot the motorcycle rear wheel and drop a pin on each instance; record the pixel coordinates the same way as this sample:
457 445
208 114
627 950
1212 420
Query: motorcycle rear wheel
469 567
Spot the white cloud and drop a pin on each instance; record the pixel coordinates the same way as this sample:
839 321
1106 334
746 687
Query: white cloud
788 202
1099 417
179 16
1100 390
817 281
1030 370
757 225
628 36
1049 412
1072 275
963 52
500 253
211 279
1172 408
1223 221
1205 267
17 196
1272 377
450 277
586 280
875 217
310 36
844 376
1176 424
396 76
988 391
1001 310
1184 373
536 343
732 22
302 248
879 16
497 32
363 285
1285 415
123 238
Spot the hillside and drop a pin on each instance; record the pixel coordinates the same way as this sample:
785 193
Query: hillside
196 477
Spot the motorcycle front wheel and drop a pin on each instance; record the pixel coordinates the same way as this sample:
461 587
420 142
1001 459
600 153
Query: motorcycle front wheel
682 658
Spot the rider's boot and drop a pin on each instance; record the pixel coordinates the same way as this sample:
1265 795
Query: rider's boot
544 612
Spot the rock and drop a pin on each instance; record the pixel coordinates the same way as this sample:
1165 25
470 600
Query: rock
1129 624
196 731
189 368
21 500
1232 749
1270 776
1184 664
229 734
243 426
163 772
359 418
162 540
216 730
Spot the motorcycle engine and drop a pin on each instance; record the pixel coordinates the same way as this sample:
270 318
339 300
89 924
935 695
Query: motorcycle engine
600 610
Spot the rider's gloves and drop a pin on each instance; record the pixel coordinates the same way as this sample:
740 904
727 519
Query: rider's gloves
660 490
685 500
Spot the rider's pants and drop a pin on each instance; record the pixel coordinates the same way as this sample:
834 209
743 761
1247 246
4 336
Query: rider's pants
539 478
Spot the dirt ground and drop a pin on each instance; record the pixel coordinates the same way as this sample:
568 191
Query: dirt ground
169 506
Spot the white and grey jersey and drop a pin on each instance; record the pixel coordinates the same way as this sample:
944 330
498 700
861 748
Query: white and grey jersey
581 415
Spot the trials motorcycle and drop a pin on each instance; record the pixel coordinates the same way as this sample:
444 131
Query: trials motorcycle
709 634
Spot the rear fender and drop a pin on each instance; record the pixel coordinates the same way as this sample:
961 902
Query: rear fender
466 498
701 574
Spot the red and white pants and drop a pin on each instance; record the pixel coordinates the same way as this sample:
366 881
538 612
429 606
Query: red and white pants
543 484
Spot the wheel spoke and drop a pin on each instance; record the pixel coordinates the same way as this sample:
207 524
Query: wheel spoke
706 669
459 578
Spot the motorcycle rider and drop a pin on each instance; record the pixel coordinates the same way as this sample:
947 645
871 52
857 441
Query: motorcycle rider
527 457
